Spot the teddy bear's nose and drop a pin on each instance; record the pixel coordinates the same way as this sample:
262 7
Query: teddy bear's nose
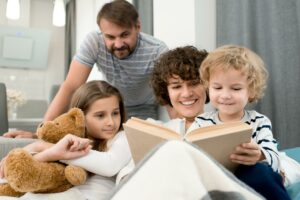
41 124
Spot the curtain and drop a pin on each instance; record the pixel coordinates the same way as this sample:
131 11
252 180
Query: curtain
70 33
145 10
271 28
3 110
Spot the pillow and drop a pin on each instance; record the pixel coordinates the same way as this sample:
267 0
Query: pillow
294 190
293 153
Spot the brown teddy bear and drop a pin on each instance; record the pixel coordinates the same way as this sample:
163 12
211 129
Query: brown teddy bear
25 174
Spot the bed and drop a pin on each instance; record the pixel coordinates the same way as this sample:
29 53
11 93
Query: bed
7 144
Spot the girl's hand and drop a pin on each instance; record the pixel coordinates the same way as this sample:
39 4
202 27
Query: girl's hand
69 147
2 162
247 154
70 144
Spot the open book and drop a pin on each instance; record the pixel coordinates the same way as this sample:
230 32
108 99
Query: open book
218 141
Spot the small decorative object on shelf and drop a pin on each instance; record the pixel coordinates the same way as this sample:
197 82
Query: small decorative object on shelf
15 98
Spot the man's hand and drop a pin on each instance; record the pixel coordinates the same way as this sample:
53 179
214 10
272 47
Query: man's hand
19 134
247 154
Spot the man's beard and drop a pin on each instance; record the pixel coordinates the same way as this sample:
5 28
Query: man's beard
122 52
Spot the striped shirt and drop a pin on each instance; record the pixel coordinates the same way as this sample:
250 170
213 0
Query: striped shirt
130 75
262 132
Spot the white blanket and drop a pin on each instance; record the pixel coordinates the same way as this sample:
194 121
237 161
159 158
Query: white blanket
178 170
71 194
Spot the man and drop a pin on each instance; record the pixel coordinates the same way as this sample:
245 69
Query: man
122 53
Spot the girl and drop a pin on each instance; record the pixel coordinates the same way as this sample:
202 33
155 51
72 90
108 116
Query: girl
236 76
104 112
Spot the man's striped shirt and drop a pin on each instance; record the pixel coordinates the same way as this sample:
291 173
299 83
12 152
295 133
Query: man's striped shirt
130 75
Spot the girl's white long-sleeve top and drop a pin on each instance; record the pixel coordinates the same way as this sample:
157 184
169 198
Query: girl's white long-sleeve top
104 166
107 163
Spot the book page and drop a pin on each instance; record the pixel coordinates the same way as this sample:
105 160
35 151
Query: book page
153 128
221 147
219 141
215 130
142 136
140 143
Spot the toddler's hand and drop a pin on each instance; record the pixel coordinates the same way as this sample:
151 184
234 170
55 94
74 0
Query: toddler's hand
247 154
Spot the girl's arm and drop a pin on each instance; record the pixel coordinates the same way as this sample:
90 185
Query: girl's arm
37 146
69 147
107 163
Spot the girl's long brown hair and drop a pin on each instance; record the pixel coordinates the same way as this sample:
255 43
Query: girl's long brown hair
92 91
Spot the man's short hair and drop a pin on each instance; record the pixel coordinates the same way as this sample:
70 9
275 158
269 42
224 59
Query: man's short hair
119 12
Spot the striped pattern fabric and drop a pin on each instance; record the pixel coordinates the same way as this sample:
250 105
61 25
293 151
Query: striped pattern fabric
262 133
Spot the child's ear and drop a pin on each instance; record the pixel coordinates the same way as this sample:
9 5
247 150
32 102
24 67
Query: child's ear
251 96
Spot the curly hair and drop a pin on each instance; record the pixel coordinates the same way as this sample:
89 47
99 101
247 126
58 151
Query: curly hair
183 62
238 58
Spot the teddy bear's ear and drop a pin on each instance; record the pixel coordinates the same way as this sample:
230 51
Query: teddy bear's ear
78 116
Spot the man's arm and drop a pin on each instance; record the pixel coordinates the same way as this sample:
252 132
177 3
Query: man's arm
78 74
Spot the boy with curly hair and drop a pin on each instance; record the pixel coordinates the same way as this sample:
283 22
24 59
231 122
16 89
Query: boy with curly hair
235 76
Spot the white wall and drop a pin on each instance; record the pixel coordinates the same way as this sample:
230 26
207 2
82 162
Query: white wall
87 11
189 22
174 22
36 84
